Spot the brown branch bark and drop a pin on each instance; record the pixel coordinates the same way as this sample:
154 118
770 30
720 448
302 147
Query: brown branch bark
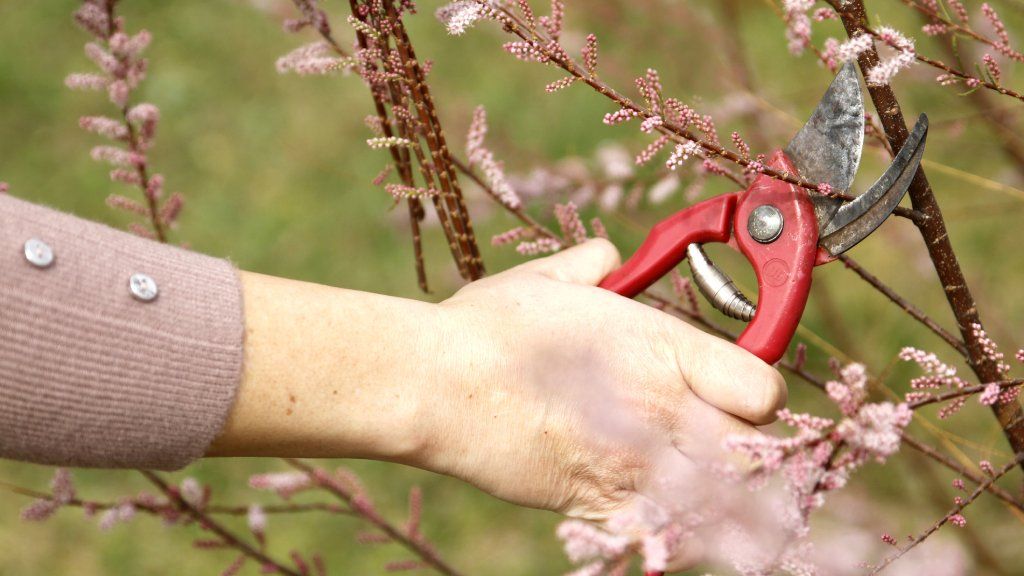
933 228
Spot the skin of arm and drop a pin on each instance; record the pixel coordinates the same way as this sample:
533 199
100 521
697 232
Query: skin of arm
533 384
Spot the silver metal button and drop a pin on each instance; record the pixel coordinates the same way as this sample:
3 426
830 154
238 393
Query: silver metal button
38 253
143 287
765 223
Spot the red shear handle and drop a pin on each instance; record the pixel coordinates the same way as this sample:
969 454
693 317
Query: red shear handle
783 266
665 246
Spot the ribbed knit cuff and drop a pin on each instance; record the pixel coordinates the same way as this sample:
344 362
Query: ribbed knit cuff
92 374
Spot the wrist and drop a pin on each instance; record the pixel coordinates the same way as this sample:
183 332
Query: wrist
330 373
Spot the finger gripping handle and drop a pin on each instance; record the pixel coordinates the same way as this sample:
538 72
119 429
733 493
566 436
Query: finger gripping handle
665 246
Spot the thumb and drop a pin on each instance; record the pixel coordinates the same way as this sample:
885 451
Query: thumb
586 263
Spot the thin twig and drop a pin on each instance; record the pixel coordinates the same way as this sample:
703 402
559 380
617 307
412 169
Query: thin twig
415 544
1018 459
904 304
968 391
150 508
214 526
967 473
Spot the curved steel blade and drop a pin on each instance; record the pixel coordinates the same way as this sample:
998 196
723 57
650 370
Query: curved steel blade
855 220
828 147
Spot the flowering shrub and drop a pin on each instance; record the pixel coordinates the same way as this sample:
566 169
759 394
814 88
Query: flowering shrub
752 518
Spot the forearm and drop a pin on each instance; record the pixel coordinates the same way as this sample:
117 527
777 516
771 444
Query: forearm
331 373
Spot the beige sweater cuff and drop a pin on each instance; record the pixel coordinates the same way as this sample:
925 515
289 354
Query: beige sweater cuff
92 374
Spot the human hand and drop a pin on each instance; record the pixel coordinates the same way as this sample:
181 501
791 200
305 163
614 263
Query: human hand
563 396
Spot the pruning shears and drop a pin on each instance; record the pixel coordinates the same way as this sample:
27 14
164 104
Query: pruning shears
783 230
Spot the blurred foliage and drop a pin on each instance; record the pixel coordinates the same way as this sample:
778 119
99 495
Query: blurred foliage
277 179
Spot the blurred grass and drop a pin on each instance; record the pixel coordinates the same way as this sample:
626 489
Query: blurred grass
277 178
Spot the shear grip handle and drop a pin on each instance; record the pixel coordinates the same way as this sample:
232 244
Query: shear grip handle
665 246
783 266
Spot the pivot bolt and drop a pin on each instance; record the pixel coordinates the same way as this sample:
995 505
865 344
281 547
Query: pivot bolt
765 223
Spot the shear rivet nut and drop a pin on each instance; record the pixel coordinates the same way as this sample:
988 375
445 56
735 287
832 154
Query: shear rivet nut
765 223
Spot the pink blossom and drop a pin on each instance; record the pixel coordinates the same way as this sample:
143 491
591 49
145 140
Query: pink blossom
620 116
905 56
388 142
958 9
316 58
568 217
958 484
650 124
285 484
663 189
256 518
850 391
144 113
539 246
987 467
93 19
648 153
589 54
615 161
103 59
192 492
479 155
117 515
400 191
553 22
86 81
117 156
459 16
560 84
852 49
108 127
526 51
822 14
958 520
509 236
681 153
39 510
62 487
119 202
989 348
118 92
584 541
990 395
877 428
798 24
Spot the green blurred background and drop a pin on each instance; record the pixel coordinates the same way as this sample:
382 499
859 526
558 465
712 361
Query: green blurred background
277 178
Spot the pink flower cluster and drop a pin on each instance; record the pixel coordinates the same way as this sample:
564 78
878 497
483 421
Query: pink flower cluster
315 58
481 156
905 56
118 56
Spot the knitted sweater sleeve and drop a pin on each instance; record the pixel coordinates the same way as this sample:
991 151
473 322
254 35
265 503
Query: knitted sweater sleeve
115 351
